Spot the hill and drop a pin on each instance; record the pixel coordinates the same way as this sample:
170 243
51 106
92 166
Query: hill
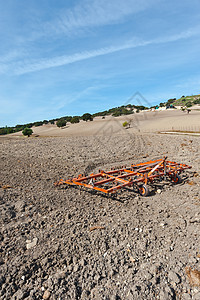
184 101
187 101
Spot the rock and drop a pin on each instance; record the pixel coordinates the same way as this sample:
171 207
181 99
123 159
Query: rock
83 262
147 275
50 283
186 296
31 244
167 293
196 296
76 268
174 277
46 295
159 191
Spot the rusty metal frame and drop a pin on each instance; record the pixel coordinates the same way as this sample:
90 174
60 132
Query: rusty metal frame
137 176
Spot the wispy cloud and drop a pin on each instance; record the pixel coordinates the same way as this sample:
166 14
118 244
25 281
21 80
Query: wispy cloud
85 15
99 12
32 66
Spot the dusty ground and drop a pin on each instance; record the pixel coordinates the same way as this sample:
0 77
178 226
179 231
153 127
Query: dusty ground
47 248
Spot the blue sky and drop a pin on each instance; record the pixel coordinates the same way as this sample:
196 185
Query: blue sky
64 57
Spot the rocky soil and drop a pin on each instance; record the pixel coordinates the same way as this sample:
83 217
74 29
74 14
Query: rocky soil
47 250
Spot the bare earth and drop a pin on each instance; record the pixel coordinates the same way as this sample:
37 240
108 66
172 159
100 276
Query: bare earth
47 250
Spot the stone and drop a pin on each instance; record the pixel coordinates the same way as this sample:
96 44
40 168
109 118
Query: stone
196 296
186 296
76 268
174 277
31 244
83 262
46 295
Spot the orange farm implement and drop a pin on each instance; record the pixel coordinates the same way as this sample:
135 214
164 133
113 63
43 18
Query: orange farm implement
138 176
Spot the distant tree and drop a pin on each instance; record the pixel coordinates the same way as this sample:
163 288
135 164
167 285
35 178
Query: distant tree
52 121
61 123
129 105
170 101
27 131
75 119
137 111
38 123
188 104
87 117
117 113
68 118
197 101
29 125
10 130
162 104
45 122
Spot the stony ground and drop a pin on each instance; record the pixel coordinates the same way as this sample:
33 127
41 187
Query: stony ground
47 250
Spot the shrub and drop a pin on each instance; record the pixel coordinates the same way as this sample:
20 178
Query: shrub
189 104
27 131
197 101
75 119
61 123
126 124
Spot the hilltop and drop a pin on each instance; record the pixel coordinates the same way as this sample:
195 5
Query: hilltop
184 101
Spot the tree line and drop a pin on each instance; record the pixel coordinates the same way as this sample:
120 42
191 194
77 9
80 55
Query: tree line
61 122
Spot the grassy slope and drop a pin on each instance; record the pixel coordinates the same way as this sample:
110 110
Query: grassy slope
184 100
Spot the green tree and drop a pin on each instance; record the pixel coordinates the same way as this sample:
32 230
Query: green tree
75 119
61 123
188 104
27 131
87 117
197 101
38 123
68 118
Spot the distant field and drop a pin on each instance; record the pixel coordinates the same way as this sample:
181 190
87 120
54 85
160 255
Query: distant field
144 122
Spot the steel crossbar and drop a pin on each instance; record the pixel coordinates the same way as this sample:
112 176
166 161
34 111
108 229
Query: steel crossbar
138 176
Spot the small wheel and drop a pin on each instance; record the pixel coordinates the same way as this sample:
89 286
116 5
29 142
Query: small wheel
144 190
176 178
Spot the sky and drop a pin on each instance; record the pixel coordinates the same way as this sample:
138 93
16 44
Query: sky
64 57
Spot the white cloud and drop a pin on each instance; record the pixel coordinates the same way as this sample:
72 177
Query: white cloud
31 66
